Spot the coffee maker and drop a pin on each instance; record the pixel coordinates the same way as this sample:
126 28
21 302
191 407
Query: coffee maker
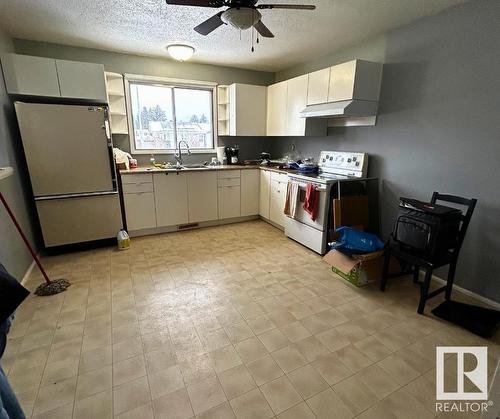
232 154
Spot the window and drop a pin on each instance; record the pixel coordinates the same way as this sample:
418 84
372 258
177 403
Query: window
163 112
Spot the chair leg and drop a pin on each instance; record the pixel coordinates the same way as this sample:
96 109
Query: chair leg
451 278
424 291
385 270
416 272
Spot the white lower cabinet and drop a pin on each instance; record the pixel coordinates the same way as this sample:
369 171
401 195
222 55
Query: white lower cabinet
277 202
171 198
229 201
264 193
250 180
140 210
202 196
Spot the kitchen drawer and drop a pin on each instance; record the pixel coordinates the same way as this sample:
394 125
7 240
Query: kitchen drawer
228 174
137 187
279 177
229 182
138 178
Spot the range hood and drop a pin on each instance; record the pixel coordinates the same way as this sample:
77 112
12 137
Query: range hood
344 113
345 108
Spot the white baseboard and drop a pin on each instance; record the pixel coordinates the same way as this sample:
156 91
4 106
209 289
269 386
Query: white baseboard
465 291
28 273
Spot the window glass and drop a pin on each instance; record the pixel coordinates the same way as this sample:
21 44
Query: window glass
164 114
193 111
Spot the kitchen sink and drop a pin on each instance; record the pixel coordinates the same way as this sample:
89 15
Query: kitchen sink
195 166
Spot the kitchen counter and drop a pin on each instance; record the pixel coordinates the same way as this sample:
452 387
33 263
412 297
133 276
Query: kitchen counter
149 169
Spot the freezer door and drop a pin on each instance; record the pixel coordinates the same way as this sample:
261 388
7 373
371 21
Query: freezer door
78 220
66 148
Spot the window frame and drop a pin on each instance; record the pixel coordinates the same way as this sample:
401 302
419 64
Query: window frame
169 82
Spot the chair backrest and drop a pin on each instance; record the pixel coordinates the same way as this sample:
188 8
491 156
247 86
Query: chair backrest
470 204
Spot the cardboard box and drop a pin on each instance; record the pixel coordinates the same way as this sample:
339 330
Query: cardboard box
359 270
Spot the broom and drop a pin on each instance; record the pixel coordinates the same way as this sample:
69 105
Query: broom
49 287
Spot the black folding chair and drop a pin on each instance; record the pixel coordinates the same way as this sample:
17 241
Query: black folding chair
428 264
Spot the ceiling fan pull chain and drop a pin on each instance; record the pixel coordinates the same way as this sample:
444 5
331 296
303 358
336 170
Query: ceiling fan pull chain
252 39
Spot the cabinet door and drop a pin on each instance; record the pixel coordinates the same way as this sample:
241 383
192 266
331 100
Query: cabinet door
276 108
229 202
317 89
295 103
247 109
82 80
171 198
140 210
202 196
26 75
264 193
277 205
341 85
250 192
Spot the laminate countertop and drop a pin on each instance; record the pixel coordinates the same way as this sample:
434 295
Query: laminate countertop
149 169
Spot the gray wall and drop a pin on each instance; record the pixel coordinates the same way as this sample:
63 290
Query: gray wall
13 253
134 64
438 126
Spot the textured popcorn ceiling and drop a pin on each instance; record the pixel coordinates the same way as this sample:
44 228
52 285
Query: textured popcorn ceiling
145 26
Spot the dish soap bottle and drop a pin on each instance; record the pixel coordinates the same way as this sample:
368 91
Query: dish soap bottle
123 240
152 160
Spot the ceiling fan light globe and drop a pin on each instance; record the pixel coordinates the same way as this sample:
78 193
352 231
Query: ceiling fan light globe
241 18
180 52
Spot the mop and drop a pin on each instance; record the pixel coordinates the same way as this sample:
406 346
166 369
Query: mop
49 287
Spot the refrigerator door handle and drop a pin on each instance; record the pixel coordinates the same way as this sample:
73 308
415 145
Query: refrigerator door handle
74 195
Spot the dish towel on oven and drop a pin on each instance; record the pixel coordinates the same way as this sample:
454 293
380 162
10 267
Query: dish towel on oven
292 196
311 201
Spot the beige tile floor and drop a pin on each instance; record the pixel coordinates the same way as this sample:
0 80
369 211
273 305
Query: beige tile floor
224 322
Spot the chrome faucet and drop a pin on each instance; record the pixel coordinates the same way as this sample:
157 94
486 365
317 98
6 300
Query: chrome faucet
178 154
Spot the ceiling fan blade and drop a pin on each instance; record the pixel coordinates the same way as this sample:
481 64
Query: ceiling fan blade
210 24
263 30
287 6
198 3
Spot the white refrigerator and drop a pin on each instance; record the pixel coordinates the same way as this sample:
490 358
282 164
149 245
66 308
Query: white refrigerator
69 153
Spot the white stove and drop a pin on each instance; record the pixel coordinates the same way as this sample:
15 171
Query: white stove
335 167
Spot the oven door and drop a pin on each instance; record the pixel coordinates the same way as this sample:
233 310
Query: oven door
302 229
302 216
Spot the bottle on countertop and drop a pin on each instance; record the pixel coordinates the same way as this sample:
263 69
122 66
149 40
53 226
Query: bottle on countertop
152 160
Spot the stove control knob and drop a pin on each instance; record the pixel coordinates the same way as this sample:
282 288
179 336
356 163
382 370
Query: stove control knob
354 158
357 163
324 160
331 158
348 160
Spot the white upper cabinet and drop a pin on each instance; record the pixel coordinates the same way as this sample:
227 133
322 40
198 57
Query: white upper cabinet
247 110
285 101
296 102
82 80
37 76
317 91
171 198
202 196
276 108
26 75
356 79
250 180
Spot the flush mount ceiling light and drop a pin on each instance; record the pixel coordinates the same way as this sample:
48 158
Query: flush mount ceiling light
180 52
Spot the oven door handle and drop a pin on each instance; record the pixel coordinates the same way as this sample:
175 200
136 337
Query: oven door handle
303 185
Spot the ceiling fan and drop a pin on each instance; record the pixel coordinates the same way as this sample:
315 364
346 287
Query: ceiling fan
242 14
